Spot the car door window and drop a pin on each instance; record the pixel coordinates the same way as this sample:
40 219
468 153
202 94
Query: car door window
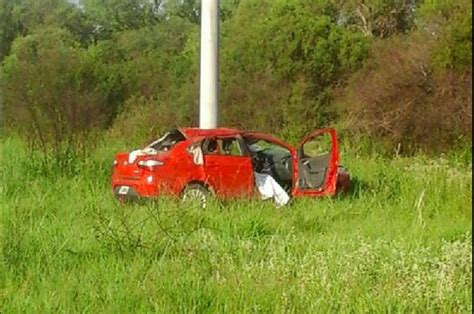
319 146
231 147
222 147
314 162
210 147
227 168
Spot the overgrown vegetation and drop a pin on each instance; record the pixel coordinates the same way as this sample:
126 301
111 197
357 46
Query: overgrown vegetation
388 70
80 83
401 242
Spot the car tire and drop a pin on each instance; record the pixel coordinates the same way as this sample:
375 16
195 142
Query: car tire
343 181
197 195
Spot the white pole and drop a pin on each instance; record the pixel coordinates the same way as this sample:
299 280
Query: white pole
209 94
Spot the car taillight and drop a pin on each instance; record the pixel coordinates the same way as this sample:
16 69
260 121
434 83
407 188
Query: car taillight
150 164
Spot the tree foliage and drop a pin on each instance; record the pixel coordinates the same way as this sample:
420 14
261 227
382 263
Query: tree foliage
22 17
402 99
416 91
377 18
117 15
52 91
131 68
280 75
450 22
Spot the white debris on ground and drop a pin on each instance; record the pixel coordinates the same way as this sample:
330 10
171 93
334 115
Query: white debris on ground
270 188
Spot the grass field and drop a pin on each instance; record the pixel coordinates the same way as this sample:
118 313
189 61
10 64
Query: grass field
400 242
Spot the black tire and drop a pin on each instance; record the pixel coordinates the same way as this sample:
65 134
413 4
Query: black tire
196 194
343 185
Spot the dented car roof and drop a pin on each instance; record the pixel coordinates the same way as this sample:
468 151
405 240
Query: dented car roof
196 132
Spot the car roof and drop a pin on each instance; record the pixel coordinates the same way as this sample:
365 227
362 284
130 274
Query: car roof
196 132
191 133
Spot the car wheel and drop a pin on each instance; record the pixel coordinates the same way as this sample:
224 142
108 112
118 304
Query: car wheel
343 181
196 194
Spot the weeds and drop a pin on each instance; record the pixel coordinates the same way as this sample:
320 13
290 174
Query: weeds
401 242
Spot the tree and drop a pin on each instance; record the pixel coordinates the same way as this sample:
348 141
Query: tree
404 101
377 18
117 15
51 91
191 9
9 27
450 22
21 17
276 76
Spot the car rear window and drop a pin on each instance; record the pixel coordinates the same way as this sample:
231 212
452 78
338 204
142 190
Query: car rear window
168 141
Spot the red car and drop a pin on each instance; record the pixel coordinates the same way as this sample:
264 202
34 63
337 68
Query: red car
194 163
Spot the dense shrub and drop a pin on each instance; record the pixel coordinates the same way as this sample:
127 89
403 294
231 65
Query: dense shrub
415 91
132 68
378 18
276 77
450 23
401 98
51 91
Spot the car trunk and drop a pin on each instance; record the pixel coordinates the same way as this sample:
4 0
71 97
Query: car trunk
126 170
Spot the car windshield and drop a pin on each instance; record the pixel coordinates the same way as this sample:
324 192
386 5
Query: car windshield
168 141
260 145
255 148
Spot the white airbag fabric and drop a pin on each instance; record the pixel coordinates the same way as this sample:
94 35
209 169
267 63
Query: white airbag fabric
269 188
198 156
132 157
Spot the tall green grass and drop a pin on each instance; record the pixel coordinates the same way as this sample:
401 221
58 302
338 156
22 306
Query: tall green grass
400 242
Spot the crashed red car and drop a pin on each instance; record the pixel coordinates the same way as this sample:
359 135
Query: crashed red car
194 163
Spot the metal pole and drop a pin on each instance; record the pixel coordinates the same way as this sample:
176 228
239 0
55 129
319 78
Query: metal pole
209 89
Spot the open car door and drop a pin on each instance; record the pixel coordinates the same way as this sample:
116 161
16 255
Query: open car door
316 164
